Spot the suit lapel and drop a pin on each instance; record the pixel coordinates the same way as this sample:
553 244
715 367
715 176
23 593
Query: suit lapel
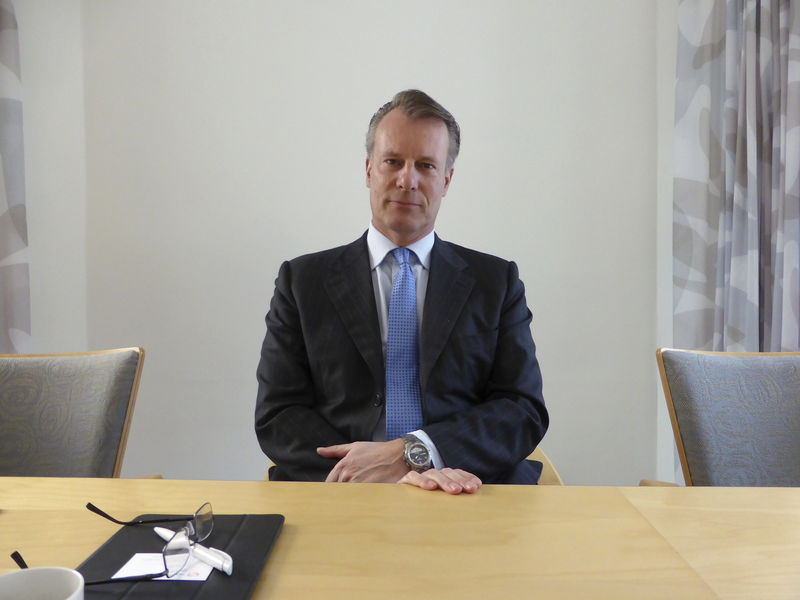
349 286
449 286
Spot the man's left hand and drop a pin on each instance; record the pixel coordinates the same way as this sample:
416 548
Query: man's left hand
452 481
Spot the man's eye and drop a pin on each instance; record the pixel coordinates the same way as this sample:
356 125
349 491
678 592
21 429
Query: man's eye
428 166
390 161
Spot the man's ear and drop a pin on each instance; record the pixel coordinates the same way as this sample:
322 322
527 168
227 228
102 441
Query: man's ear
447 179
368 168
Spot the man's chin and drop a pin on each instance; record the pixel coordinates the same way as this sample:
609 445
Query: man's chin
404 226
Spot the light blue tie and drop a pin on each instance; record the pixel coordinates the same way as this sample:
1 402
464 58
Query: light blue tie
403 401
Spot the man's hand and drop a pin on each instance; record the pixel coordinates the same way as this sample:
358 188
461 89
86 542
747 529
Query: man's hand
376 462
382 462
452 481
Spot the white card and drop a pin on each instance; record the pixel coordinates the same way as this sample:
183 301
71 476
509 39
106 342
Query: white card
145 563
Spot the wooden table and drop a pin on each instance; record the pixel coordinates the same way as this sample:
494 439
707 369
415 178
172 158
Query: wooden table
362 540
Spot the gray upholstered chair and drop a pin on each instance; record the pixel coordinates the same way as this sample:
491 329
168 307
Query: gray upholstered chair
735 416
67 415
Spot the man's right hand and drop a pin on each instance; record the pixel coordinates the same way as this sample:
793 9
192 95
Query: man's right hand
366 462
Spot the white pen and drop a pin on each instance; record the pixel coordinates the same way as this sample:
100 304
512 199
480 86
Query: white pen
211 556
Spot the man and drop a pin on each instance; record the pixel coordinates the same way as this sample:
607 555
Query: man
413 365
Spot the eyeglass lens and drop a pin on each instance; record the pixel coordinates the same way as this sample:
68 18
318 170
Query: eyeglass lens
176 553
201 525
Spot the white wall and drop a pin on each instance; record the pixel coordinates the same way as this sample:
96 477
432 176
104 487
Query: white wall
224 137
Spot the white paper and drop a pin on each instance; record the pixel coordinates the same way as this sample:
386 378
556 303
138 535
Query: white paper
145 563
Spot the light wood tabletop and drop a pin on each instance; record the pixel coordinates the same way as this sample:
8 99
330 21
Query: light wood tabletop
744 542
363 540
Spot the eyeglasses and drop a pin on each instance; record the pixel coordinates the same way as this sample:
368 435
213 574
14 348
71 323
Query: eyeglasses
177 550
175 553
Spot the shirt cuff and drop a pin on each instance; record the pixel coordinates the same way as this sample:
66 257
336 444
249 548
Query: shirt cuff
436 458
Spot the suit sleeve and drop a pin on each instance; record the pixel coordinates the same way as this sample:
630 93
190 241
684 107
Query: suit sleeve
491 385
288 427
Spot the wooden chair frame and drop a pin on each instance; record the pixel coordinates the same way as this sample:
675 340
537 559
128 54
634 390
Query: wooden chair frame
549 474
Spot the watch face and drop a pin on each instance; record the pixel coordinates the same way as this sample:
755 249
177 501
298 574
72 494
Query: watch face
418 454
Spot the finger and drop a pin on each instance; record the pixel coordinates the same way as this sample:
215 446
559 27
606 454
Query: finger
461 475
338 451
433 479
334 475
416 479
445 479
470 483
455 481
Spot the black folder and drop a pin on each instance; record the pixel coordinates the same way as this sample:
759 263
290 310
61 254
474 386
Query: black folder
247 538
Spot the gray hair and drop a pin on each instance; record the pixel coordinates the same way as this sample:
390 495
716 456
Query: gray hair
418 105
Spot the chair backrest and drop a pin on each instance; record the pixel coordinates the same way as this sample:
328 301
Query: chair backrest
735 416
67 415
549 474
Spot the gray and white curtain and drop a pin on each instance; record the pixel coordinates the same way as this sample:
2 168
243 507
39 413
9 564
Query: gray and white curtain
15 314
736 229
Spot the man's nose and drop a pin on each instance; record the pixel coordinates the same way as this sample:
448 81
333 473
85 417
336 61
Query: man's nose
408 178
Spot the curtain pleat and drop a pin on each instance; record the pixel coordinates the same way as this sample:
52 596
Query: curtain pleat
736 234
15 315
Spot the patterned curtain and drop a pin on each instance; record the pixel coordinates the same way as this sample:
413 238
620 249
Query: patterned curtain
736 212
15 313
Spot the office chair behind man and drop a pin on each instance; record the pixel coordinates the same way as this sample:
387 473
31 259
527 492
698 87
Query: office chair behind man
67 415
735 416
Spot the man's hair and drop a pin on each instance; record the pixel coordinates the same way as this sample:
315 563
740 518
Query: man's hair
418 105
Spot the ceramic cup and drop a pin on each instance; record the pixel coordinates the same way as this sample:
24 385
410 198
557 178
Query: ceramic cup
42 583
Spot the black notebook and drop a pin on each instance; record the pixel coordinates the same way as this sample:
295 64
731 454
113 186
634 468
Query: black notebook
247 538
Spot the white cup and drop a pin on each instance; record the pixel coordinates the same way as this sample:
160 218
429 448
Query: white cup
42 583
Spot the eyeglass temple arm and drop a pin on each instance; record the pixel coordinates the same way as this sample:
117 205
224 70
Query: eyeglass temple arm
105 515
124 579
17 557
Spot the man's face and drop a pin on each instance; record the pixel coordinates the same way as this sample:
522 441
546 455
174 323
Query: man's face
407 176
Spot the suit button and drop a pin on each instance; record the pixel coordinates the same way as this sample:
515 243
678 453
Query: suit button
378 399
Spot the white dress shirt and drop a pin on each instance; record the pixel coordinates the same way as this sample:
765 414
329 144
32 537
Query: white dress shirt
384 268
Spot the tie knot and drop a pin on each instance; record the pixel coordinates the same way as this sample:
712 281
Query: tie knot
401 255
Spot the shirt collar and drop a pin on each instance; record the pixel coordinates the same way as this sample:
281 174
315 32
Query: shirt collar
379 245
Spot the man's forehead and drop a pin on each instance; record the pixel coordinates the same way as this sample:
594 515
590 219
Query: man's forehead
403 133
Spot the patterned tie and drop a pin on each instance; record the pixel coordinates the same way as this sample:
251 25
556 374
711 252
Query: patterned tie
403 402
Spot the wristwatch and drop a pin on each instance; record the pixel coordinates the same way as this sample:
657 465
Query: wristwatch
416 454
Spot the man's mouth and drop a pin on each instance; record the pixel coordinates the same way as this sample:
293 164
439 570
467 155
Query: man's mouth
402 202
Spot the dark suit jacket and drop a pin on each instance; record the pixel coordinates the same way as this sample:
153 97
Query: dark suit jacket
321 374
